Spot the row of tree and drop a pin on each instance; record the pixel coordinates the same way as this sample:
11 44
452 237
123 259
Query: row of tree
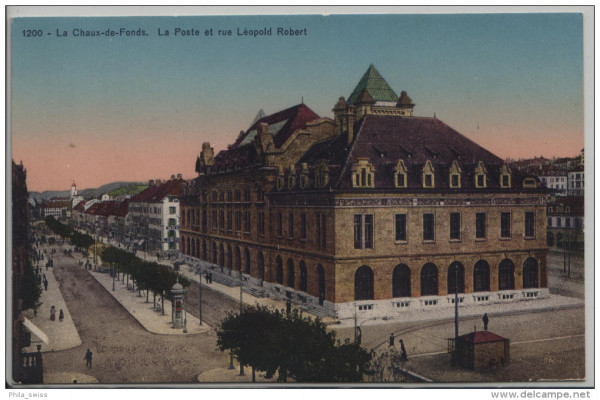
291 345
146 275
79 240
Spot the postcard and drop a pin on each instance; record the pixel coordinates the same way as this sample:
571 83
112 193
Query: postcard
300 199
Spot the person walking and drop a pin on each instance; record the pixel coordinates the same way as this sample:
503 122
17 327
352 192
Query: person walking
45 284
391 340
206 276
88 358
61 316
485 321
52 313
403 356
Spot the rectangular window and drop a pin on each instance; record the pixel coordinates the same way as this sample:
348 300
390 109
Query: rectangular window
428 180
358 231
401 179
549 221
172 222
261 223
428 227
401 227
204 222
558 222
529 224
505 225
247 221
480 180
222 219
504 180
279 224
303 226
318 222
214 219
455 180
577 222
369 231
172 210
291 225
480 225
568 221
238 221
229 220
454 225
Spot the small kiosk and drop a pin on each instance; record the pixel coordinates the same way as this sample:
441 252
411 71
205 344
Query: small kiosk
177 306
480 349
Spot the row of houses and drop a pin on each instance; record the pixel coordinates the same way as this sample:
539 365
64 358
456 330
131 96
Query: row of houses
148 221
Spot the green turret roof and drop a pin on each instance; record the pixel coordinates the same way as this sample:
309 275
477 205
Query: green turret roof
377 87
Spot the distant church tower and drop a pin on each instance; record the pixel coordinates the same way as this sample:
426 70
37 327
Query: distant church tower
73 190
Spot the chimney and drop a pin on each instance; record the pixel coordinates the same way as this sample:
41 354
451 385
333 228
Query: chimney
179 176
151 182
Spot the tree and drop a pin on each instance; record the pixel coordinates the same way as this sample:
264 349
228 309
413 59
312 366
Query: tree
30 288
292 345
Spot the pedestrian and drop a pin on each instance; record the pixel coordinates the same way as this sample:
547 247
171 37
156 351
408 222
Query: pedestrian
206 276
61 316
45 285
359 335
52 313
403 356
391 340
88 358
210 278
485 321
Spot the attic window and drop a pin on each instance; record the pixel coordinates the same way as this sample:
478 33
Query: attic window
505 183
291 181
428 175
400 174
529 183
321 174
480 175
363 174
455 172
280 182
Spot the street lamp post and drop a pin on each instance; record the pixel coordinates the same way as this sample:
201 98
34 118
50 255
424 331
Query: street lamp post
200 300
112 267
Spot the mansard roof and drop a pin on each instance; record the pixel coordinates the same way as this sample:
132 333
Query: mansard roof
376 86
384 140
281 126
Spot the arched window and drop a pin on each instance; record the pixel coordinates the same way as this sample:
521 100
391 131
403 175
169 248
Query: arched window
506 275
290 273
481 276
363 173
204 255
214 252
429 280
260 266
321 278
229 259
187 247
401 281
237 260
279 270
530 273
196 248
303 277
363 283
247 259
456 278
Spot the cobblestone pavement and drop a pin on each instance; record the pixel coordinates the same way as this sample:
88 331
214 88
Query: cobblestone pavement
123 351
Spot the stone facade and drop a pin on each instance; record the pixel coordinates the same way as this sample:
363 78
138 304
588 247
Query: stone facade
320 215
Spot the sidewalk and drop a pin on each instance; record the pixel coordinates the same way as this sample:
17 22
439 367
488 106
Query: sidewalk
61 335
151 319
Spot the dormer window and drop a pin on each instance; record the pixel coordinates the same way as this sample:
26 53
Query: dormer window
400 174
455 172
363 174
529 183
505 181
480 175
428 175
321 174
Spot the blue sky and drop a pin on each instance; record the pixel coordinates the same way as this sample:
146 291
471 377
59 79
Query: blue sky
511 82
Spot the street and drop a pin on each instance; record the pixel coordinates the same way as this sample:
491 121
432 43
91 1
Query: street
123 352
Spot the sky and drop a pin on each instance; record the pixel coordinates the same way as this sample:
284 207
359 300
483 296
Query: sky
98 109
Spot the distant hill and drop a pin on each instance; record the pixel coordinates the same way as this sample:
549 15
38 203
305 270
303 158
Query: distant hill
131 190
90 193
